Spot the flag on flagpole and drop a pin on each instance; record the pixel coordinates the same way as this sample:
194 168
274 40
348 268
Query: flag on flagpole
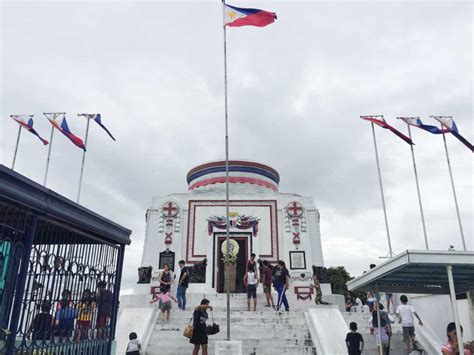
416 122
380 121
448 123
98 120
60 124
237 17
26 121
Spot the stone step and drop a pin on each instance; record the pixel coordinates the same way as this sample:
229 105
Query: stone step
237 333
267 350
170 343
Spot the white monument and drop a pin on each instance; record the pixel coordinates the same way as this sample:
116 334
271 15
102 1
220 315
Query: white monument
190 226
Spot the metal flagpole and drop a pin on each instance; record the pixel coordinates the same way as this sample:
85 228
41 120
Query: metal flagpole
54 115
454 191
226 169
381 191
418 190
49 155
16 146
454 305
88 117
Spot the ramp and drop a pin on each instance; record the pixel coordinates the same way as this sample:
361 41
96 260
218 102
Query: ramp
328 330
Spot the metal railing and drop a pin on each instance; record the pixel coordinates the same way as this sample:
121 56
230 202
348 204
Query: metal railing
59 285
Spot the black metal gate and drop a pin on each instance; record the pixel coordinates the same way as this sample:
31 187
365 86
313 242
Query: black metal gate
59 278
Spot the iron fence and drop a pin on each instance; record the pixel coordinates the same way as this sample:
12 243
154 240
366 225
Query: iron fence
59 285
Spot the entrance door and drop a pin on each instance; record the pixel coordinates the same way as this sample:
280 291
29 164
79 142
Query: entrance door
242 259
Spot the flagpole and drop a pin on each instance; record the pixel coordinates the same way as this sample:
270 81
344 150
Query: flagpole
381 192
227 234
418 190
49 155
454 191
54 116
83 156
16 147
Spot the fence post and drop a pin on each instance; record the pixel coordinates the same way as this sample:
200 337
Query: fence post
20 285
118 280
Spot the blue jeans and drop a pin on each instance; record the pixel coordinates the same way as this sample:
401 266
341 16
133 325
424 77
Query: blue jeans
181 296
281 289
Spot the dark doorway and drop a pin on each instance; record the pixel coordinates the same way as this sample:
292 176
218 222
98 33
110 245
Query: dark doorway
242 259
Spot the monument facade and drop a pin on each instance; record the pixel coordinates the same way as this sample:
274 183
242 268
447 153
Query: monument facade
192 225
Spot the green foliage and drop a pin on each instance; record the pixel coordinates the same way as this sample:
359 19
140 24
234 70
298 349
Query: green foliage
337 277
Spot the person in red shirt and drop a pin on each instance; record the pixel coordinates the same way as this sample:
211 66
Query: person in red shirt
267 284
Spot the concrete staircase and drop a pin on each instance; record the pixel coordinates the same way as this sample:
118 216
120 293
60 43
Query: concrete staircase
263 332
370 345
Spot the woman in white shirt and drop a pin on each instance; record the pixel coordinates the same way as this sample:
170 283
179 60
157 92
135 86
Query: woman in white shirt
251 282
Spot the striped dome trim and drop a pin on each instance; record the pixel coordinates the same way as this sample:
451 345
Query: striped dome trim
235 162
233 168
234 180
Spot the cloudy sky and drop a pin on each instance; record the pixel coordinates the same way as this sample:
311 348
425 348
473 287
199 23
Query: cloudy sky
154 70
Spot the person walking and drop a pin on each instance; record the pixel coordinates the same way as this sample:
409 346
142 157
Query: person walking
267 284
199 337
281 283
183 283
164 304
405 314
381 335
389 298
354 341
251 283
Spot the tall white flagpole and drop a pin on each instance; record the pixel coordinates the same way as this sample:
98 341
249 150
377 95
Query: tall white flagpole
227 234
88 117
454 191
418 190
381 190
16 147
53 115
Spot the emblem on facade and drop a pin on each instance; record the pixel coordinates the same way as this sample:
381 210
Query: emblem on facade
235 221
169 221
295 222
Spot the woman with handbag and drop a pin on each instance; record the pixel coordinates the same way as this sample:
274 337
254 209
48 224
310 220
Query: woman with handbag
199 337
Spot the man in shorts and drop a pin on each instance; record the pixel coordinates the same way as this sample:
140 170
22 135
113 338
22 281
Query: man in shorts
405 314
267 284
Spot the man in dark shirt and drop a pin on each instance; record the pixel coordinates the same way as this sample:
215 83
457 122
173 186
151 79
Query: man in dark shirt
42 325
104 300
182 285
354 341
252 263
267 284
281 283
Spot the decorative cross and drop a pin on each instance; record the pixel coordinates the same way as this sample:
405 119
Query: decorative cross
170 209
295 209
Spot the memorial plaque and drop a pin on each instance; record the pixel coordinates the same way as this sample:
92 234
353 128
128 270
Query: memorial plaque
297 260
167 257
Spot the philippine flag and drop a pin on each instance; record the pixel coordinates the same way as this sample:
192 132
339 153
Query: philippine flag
98 120
60 123
380 121
416 122
237 17
448 123
26 121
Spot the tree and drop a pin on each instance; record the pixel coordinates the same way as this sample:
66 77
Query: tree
338 277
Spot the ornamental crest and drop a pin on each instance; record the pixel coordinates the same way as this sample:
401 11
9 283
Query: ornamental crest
235 221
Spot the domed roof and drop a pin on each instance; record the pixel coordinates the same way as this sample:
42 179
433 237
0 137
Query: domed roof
240 172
